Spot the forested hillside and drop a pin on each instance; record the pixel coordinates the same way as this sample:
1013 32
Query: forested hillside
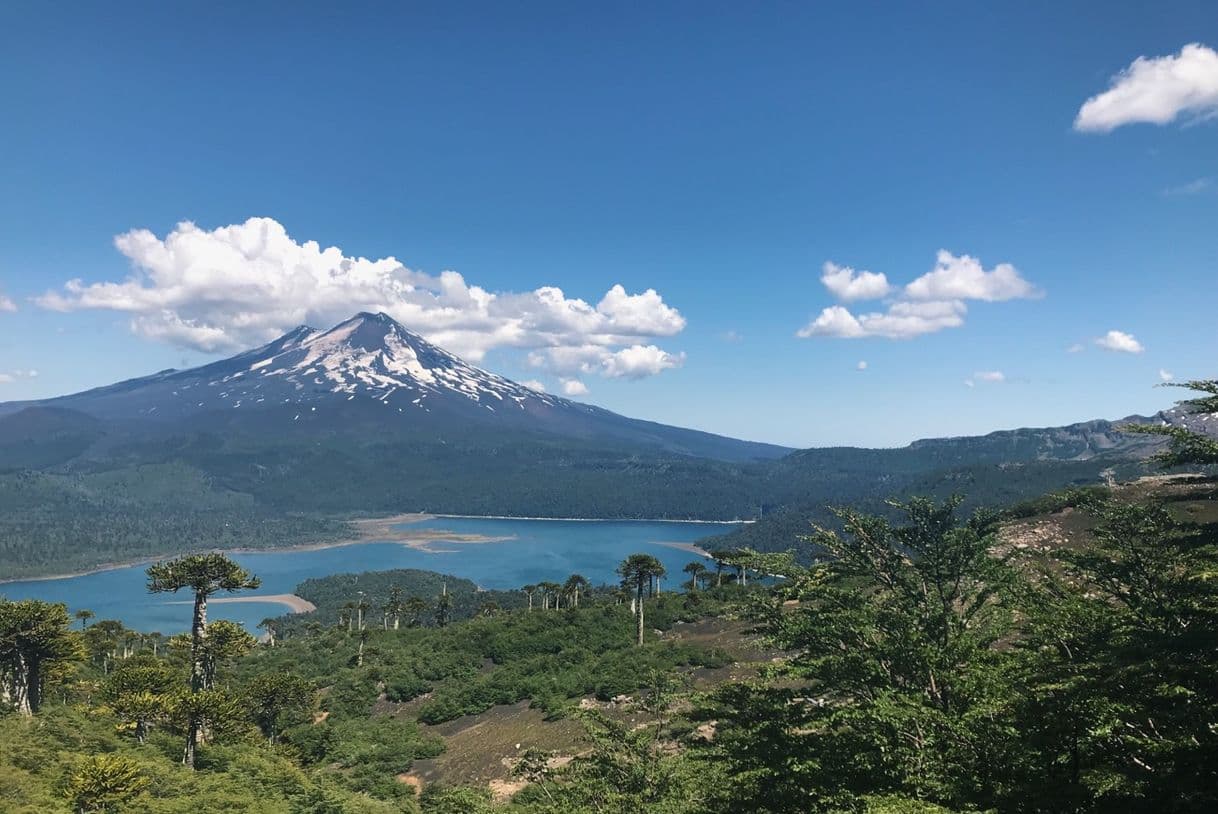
131 499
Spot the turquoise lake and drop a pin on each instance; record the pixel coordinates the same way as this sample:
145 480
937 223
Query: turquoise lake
536 550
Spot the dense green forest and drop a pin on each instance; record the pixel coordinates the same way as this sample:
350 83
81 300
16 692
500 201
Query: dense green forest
54 522
142 500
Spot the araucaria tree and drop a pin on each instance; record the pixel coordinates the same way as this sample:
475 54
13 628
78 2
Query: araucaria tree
203 575
574 585
696 571
35 639
273 699
637 571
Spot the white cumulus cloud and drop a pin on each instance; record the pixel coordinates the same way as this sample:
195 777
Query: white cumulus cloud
533 384
932 302
244 284
633 362
847 284
1156 90
902 320
574 387
6 304
964 278
1120 342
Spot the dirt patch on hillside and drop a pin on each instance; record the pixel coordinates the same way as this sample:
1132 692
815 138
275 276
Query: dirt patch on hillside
483 748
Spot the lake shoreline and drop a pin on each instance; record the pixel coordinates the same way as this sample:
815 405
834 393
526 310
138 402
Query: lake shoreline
381 530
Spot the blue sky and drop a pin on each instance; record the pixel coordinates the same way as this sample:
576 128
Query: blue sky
718 154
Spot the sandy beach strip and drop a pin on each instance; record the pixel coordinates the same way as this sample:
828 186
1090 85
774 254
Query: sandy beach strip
294 603
690 547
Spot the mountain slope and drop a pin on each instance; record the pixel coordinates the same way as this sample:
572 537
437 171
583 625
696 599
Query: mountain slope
371 378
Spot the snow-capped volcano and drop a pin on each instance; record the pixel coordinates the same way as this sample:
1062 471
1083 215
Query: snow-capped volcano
368 378
370 356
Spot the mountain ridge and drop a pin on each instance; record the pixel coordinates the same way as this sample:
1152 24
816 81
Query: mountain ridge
370 375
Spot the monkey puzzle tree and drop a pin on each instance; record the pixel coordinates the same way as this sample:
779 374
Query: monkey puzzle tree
271 628
696 571
395 606
637 571
225 643
573 586
415 606
548 590
35 639
204 575
139 693
104 783
444 607
274 699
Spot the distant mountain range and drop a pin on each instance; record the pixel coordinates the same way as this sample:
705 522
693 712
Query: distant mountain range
366 376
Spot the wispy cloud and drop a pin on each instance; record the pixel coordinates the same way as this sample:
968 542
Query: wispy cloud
14 375
985 377
7 305
1194 187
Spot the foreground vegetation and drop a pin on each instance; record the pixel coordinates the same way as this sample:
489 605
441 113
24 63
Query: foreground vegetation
930 664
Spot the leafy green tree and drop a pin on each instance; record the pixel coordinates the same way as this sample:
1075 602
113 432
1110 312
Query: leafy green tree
204 575
104 783
1185 447
904 692
1118 660
36 642
624 770
276 701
